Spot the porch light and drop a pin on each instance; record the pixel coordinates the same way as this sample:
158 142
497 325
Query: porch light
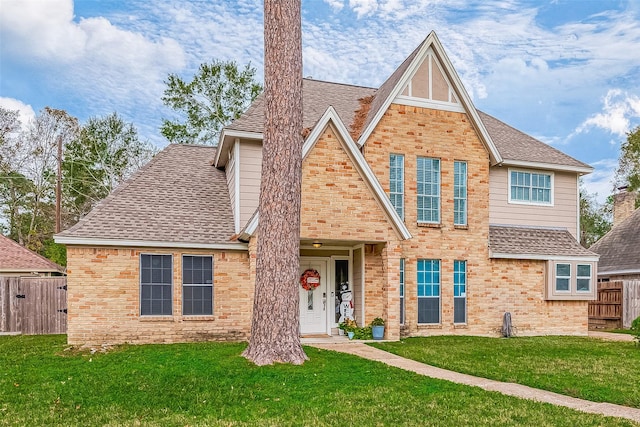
317 244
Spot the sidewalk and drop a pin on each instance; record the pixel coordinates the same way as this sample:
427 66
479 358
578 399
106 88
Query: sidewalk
511 389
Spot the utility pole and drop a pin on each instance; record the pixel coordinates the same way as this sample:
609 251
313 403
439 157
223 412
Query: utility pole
59 186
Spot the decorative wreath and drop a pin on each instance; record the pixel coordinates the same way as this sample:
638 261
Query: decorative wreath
310 279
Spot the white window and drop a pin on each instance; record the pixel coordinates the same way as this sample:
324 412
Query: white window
459 291
402 291
428 181
396 182
583 281
571 280
563 277
460 193
530 187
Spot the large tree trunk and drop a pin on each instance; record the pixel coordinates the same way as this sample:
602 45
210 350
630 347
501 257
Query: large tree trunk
275 323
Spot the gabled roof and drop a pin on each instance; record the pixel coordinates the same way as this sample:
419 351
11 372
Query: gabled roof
398 80
177 200
330 117
317 96
504 142
515 242
619 249
16 258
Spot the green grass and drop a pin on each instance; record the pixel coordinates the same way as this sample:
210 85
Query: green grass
210 384
592 369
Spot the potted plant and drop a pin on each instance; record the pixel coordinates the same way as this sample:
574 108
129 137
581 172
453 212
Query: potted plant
377 328
349 326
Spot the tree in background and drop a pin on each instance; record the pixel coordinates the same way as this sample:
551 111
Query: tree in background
595 219
106 152
218 94
98 156
628 172
275 321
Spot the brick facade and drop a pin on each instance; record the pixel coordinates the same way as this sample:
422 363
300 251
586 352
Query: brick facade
104 294
493 286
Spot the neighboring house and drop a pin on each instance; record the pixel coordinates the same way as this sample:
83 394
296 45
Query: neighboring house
619 249
16 260
439 217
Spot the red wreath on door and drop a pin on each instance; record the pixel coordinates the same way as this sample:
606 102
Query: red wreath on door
310 279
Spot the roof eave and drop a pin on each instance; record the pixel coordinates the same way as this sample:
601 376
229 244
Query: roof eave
619 272
547 166
543 257
96 241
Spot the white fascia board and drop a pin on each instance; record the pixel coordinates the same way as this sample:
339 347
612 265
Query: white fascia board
87 241
543 257
619 272
228 135
433 42
547 166
250 228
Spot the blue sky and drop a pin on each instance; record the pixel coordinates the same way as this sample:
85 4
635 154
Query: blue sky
566 72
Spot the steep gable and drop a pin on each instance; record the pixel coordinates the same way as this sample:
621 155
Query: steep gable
429 73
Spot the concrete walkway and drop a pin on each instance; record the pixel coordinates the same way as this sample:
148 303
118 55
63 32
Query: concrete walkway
511 389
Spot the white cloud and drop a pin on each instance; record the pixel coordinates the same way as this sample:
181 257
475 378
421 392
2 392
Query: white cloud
26 111
618 110
600 181
336 5
363 7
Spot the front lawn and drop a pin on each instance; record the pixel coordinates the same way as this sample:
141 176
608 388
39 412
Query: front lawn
210 384
592 369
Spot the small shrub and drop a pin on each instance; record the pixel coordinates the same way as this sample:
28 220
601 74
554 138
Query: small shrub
635 327
378 321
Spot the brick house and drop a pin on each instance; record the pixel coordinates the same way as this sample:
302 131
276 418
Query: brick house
439 217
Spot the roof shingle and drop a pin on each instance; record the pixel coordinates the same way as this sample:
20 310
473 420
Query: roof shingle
619 249
177 197
14 257
525 241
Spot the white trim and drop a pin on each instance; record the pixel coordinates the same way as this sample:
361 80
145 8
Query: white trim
618 272
428 103
362 290
543 257
530 203
236 154
88 241
332 284
432 42
547 166
556 277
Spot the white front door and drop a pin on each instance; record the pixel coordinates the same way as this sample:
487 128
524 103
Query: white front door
313 303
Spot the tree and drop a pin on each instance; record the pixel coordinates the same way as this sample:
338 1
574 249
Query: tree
106 152
275 321
595 219
218 94
628 172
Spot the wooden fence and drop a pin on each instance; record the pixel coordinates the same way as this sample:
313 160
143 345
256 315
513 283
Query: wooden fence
630 302
33 305
617 305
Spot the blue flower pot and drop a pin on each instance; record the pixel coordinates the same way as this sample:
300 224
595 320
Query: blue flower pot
377 332
350 334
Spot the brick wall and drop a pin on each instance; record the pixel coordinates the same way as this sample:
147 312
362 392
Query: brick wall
494 286
103 298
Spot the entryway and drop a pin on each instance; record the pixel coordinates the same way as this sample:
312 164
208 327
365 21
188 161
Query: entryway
314 305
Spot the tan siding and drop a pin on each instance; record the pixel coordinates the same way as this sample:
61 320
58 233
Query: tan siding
231 181
563 212
250 170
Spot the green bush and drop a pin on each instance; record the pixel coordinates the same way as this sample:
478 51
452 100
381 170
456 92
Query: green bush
635 327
